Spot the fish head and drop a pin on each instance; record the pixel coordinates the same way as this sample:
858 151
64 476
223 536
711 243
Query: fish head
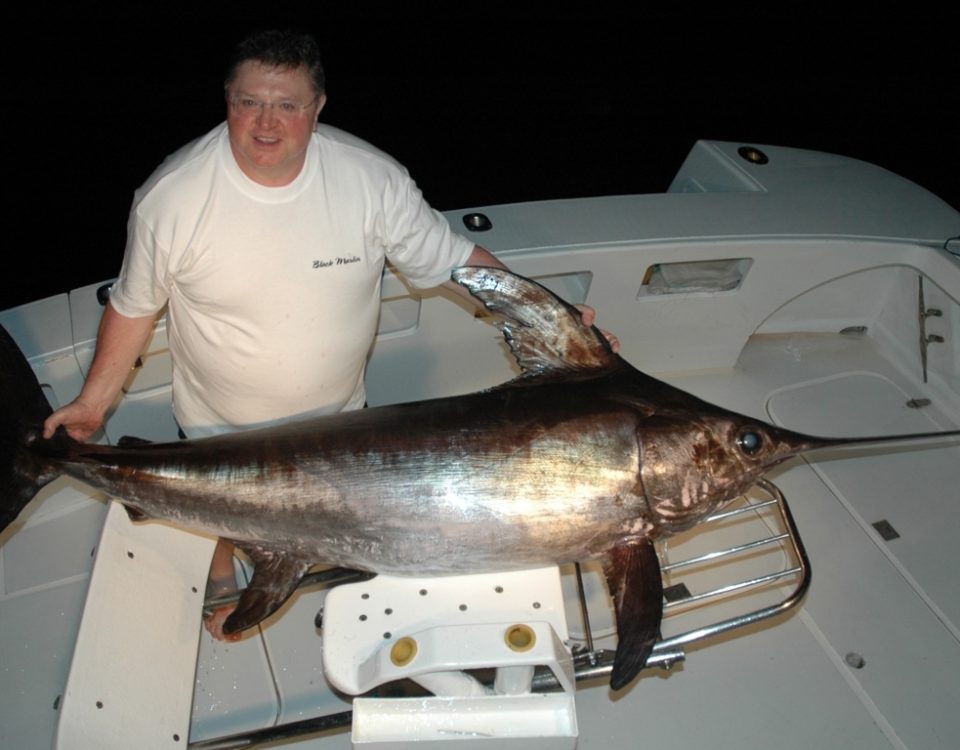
693 464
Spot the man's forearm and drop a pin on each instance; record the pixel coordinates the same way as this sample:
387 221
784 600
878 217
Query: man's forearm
120 341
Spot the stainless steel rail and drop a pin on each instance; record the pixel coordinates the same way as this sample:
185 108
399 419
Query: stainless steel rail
670 650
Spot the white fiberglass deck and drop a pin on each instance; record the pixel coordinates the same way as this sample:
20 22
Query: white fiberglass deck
870 660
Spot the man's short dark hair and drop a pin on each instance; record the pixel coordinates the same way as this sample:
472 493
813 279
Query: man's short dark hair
281 49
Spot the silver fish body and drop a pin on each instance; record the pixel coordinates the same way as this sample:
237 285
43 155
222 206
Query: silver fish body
478 483
406 489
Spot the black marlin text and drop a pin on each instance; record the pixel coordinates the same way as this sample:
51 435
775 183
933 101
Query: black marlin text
338 261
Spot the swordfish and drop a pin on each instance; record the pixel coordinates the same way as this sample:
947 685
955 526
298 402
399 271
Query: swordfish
579 457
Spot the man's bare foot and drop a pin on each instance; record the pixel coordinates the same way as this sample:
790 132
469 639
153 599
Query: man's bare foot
222 580
214 624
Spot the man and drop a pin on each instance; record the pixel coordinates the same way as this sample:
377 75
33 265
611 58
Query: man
265 239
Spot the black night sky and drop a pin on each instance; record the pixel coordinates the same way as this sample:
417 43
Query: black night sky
484 102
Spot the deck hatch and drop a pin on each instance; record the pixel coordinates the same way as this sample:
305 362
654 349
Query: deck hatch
695 276
885 529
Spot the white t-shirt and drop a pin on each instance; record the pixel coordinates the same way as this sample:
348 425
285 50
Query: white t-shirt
274 292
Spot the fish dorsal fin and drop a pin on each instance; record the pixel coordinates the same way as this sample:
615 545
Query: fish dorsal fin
276 575
545 333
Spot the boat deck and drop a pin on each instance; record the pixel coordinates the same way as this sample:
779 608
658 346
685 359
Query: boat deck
870 659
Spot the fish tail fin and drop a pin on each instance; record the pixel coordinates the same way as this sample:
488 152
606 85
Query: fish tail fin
23 471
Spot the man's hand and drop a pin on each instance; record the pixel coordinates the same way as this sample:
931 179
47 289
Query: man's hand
79 419
589 315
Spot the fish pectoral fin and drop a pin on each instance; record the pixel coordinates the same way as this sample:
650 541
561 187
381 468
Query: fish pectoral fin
275 577
129 441
135 514
633 575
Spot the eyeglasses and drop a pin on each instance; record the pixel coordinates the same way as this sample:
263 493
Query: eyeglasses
285 109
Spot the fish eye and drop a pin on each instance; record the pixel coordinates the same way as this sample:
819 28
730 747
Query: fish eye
749 442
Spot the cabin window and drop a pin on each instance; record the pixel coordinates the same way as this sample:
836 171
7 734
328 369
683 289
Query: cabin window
400 312
695 276
572 287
